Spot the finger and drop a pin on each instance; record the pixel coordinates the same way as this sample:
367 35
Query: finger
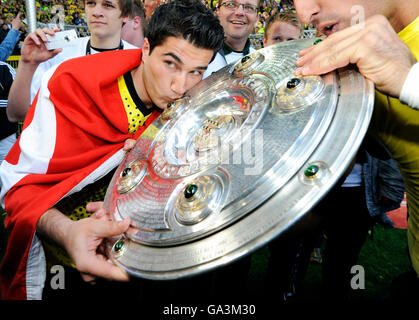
103 268
94 206
43 32
330 57
329 43
106 228
131 231
34 38
56 51
305 51
129 144
98 211
99 214
39 34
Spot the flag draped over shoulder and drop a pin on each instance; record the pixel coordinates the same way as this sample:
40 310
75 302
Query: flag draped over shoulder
75 127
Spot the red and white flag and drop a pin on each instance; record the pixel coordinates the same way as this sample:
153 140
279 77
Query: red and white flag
73 135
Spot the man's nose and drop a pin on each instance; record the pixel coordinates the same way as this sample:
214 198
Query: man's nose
239 9
97 11
306 10
179 84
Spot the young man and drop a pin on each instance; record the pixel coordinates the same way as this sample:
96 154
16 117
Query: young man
385 48
239 19
133 28
72 141
105 19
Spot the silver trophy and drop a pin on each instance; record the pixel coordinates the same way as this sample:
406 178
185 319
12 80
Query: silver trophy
238 161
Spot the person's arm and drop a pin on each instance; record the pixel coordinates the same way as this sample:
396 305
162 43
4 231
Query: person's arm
82 238
376 49
32 54
9 43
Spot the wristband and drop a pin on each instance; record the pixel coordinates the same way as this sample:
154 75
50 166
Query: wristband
410 91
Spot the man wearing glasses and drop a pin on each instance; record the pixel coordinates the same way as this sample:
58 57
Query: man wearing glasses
239 19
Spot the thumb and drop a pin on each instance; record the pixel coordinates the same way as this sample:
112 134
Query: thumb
106 228
129 144
106 269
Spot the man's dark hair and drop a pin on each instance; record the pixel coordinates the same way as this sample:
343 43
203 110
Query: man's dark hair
187 19
137 10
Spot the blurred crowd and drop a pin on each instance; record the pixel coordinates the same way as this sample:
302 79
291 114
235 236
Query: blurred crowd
73 13
74 10
46 10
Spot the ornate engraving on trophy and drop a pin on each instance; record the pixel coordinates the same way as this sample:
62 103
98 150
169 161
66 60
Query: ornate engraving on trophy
296 93
238 161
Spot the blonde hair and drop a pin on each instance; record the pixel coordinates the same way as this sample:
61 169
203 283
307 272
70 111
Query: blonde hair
287 17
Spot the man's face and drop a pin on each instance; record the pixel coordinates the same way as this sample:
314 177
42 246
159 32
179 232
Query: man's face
132 31
280 31
149 6
171 69
103 17
238 23
329 16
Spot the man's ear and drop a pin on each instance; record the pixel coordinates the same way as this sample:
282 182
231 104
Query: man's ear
137 22
146 49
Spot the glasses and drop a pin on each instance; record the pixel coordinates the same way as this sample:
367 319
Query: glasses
232 6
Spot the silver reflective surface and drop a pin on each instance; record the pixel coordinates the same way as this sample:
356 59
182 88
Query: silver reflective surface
243 157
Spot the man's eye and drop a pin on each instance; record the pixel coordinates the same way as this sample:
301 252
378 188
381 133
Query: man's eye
170 64
197 72
109 4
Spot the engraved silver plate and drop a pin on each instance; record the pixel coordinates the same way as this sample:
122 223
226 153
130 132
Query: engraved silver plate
240 160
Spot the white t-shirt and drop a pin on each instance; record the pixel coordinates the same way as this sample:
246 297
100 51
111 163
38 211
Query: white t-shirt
410 89
77 50
220 61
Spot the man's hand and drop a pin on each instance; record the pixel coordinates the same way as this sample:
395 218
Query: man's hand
17 22
375 48
83 241
34 50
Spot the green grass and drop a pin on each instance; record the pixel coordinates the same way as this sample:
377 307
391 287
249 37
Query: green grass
383 256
